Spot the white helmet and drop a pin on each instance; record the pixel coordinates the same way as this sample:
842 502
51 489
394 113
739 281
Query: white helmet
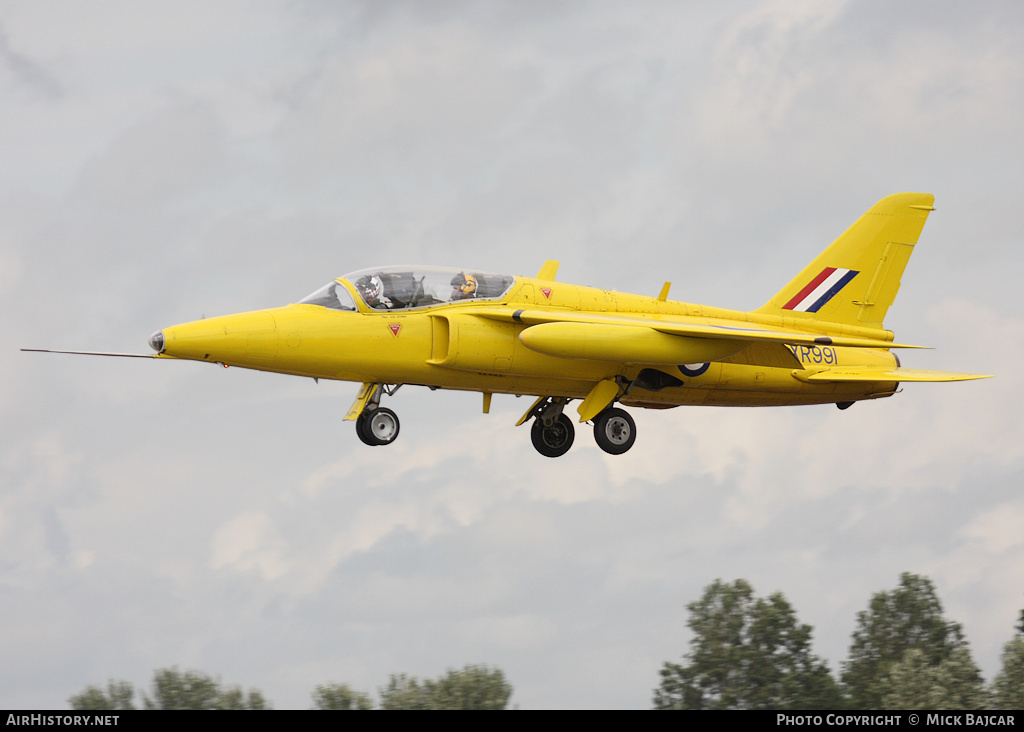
374 288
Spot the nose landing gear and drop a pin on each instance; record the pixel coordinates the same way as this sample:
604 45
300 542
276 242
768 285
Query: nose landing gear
376 425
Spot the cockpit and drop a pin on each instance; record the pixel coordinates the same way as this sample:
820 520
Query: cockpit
402 288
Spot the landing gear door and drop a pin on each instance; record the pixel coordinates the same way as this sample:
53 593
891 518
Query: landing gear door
365 394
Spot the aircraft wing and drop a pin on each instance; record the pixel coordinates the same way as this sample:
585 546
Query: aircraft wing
867 374
706 328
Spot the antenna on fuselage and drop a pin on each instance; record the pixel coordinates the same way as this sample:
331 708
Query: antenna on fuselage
547 272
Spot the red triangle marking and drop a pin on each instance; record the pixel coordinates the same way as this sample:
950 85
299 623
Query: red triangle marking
546 291
395 327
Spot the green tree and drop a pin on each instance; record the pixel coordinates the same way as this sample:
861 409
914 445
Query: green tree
118 696
474 687
340 696
174 689
403 692
746 653
909 617
953 683
1008 686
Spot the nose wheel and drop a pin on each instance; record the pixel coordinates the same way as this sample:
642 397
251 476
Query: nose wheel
378 427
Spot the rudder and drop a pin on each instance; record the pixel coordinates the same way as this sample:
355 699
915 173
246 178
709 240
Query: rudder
855 280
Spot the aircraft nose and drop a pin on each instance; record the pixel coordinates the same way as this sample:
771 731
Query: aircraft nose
156 341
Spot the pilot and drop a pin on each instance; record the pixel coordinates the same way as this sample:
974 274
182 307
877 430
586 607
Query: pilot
463 286
372 290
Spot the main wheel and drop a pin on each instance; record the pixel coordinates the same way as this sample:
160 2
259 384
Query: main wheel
379 427
614 431
555 439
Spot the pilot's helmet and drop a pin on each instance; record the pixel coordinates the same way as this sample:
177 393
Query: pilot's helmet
464 284
374 287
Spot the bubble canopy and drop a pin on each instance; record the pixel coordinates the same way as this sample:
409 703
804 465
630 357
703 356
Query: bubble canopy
408 287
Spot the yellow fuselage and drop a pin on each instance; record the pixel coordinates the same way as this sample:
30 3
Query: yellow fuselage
451 346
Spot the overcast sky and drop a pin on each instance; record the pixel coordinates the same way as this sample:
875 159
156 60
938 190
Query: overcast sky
162 162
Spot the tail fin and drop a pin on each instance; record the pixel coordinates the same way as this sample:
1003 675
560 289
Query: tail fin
855 280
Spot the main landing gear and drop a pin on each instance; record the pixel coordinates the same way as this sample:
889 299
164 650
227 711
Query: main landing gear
553 432
614 430
377 425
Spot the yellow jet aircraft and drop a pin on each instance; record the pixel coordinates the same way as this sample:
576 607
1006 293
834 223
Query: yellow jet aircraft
819 340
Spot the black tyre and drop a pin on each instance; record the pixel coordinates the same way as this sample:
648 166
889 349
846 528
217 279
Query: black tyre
555 439
364 437
614 431
379 427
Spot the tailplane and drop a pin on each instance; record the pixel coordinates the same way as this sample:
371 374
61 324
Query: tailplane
856 279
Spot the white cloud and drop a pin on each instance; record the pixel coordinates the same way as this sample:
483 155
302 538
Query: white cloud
250 542
999 529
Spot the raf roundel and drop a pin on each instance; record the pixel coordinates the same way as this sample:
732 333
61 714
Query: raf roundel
694 369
